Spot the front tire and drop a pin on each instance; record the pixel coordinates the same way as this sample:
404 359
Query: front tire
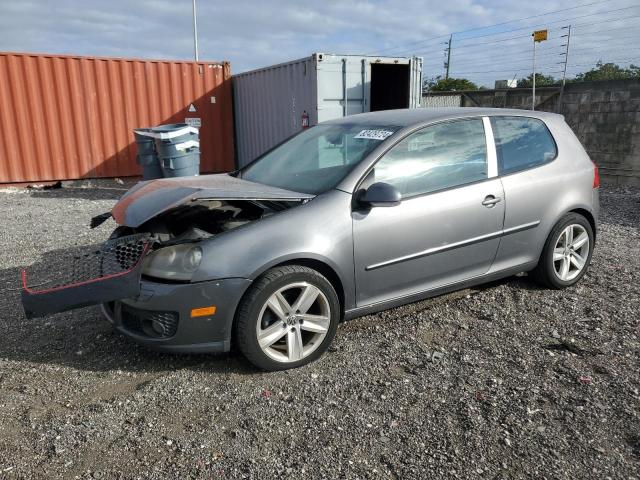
567 253
287 319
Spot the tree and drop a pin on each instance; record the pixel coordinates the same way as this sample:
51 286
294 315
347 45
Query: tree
608 71
541 81
439 84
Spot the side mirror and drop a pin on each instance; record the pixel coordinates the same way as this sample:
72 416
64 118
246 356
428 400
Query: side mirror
380 194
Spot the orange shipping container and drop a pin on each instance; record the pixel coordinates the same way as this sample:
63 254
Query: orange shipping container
69 117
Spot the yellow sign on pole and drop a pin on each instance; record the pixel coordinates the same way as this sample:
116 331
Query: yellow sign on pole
539 35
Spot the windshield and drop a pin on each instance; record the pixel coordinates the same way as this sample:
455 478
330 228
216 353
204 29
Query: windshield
317 159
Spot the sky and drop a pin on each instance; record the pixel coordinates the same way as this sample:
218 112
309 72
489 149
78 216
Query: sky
251 34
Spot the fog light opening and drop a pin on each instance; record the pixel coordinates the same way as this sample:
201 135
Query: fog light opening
154 328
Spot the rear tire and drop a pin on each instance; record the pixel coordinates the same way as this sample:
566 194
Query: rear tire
287 319
567 253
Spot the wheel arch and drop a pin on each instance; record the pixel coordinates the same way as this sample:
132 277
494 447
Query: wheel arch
589 216
321 266
580 209
541 272
325 270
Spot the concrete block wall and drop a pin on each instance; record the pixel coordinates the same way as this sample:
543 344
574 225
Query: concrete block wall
606 118
604 115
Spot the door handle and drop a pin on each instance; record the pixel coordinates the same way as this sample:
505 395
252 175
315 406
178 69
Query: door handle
490 201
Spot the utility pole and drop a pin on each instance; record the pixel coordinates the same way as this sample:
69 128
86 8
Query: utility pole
533 78
195 31
538 36
446 75
564 70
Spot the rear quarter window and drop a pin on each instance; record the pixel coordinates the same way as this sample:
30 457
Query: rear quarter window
522 143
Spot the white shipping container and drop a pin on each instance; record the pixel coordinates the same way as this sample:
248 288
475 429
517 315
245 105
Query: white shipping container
273 103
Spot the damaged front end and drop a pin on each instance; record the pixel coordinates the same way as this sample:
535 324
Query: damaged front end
175 254
161 224
84 276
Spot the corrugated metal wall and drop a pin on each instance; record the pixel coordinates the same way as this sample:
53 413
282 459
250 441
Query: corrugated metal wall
66 117
269 104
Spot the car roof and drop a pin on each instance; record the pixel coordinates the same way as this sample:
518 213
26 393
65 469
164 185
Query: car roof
414 116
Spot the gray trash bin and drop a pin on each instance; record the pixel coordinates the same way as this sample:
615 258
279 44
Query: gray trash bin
147 157
178 148
166 149
182 166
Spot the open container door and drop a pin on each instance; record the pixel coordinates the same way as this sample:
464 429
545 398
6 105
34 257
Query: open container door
84 276
389 86
341 84
415 82
395 83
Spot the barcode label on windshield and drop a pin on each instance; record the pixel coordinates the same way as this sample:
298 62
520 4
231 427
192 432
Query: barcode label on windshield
374 134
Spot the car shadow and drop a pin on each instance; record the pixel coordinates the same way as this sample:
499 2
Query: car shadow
81 193
521 281
82 339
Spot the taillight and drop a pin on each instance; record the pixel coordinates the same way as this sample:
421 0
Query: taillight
596 176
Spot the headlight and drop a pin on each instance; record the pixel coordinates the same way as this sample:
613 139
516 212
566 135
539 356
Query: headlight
178 262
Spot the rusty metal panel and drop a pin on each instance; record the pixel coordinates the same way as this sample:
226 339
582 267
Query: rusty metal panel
68 117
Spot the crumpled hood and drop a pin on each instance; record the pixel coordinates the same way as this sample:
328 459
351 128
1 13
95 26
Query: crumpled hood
148 199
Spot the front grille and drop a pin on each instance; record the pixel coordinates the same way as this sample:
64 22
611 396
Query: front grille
86 264
82 276
149 323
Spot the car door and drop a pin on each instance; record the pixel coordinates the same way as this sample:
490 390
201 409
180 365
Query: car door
447 227
533 184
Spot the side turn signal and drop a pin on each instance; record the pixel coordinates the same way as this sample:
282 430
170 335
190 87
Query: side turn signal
203 312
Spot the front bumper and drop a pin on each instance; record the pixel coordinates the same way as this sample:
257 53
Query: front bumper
160 316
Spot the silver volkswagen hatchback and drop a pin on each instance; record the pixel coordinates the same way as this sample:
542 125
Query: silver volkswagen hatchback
347 218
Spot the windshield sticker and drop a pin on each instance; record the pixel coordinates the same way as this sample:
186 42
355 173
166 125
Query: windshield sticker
374 134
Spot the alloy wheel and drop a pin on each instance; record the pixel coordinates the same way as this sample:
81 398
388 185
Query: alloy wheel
571 252
293 322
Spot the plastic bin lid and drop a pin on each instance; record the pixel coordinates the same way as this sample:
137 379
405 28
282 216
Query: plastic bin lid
142 130
166 132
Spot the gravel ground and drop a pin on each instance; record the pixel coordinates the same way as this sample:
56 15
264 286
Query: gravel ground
504 381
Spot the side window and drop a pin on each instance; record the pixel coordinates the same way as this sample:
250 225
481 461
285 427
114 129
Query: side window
521 143
434 158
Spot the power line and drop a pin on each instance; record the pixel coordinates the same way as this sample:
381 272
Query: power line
573 50
489 26
510 66
544 66
612 60
530 27
408 44
515 56
474 57
468 60
550 46
532 16
479 44
465 58
624 37
493 42
483 44
612 29
577 25
519 69
610 43
526 66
